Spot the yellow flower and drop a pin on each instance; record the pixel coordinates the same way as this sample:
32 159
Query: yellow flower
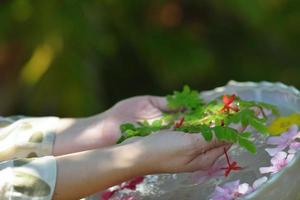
282 124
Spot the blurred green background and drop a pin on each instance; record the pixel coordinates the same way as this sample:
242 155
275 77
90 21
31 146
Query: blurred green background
77 58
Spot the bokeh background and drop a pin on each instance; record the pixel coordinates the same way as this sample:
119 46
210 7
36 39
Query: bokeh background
77 58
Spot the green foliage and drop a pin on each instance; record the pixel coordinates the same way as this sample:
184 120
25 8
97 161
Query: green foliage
187 99
247 117
206 131
143 129
207 119
247 144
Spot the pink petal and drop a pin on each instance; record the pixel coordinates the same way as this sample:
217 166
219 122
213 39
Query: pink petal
292 131
292 151
297 135
232 185
220 189
279 157
275 140
265 170
295 145
244 188
257 183
290 158
226 192
273 151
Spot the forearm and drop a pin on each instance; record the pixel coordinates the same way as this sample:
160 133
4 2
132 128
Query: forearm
75 135
84 173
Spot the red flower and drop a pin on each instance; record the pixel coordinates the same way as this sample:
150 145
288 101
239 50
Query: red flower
227 104
231 166
179 123
131 185
107 194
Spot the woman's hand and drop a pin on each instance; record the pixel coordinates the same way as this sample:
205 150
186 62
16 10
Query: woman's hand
171 152
74 135
164 152
134 109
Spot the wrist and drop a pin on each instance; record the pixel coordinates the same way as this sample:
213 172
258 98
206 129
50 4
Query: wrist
139 159
80 134
99 131
129 160
103 168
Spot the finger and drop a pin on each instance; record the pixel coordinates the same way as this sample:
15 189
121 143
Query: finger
161 103
209 158
206 160
202 145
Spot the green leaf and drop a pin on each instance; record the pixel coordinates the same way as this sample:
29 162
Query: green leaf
157 123
187 99
190 129
245 134
131 133
247 117
247 144
231 134
259 126
142 129
127 126
206 132
226 133
144 123
196 114
121 139
242 117
219 132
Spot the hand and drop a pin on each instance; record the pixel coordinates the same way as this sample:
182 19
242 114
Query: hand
163 152
172 152
134 109
74 135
